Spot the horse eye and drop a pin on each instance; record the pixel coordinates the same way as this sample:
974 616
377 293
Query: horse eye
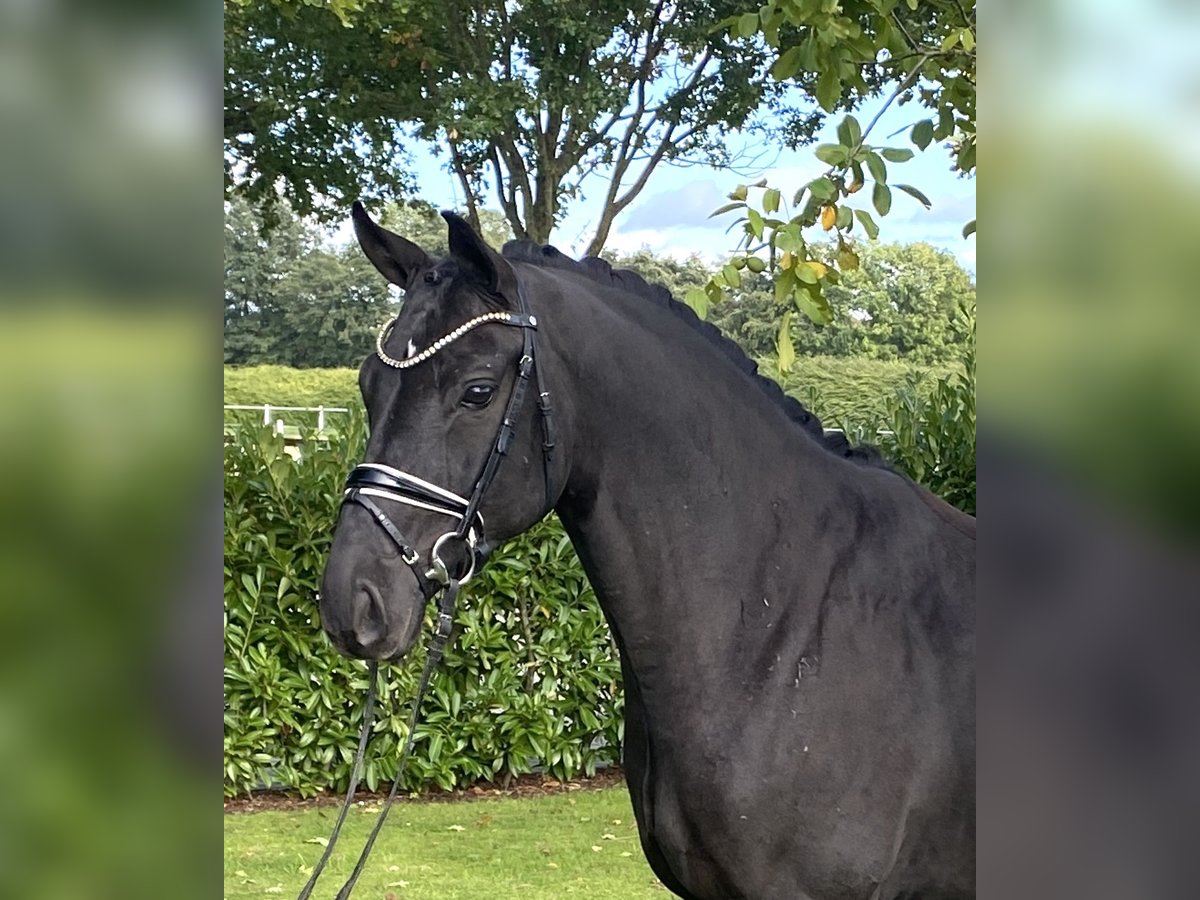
477 396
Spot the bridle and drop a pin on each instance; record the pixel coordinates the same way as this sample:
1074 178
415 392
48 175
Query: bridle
369 482
375 480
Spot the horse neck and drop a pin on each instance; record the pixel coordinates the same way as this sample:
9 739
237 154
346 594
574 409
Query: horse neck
690 493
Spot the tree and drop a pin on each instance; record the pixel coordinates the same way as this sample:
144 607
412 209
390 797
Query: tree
331 307
304 114
256 262
927 50
290 301
530 98
903 302
422 224
677 276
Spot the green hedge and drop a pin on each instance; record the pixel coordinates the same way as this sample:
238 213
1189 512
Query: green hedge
285 386
531 679
833 387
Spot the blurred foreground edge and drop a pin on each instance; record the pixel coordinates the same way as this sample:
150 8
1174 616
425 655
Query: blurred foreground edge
1089 728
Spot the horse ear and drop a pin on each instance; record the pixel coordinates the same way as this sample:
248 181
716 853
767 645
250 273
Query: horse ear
397 260
483 263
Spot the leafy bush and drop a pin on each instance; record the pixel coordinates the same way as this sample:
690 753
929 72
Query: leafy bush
932 425
285 386
837 388
532 676
833 387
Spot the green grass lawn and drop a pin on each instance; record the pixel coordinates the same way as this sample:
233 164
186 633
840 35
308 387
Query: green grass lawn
579 844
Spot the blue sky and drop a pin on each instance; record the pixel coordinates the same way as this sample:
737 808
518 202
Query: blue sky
670 216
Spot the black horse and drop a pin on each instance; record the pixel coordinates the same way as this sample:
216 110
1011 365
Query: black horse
795 620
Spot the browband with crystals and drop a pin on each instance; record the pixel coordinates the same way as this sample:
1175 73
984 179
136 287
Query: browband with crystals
504 318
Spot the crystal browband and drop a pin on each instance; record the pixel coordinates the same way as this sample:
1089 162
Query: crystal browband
504 318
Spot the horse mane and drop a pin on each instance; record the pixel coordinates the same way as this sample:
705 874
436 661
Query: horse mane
602 272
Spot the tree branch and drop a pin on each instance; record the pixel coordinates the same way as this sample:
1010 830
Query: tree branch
460 169
508 200
903 86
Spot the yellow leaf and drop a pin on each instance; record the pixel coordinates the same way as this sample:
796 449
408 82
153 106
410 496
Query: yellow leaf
828 217
855 187
785 261
819 269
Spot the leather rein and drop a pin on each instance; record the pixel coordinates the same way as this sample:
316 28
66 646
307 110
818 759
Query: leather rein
369 482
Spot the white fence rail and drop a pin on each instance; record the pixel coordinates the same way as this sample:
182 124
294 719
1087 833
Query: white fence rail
269 409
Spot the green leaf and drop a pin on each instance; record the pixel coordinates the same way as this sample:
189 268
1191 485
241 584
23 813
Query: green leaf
868 223
785 281
829 89
739 192
914 193
849 132
787 65
845 217
747 24
882 198
833 154
728 207
783 343
896 154
967 38
697 299
756 223
847 259
922 133
857 175
788 238
731 275
966 159
813 304
877 167
823 188
968 229
771 200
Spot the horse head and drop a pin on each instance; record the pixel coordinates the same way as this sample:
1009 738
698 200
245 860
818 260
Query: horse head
455 458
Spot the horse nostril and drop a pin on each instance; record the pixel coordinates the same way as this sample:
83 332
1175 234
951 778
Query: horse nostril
366 616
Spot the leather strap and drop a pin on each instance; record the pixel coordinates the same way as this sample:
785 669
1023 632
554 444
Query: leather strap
407 552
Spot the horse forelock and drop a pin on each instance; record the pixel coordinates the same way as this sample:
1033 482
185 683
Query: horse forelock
603 273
